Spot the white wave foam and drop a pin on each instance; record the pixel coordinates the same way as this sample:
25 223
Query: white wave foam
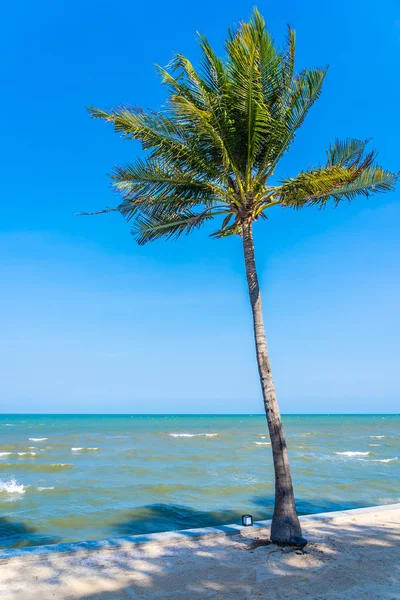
5 453
373 444
189 435
38 439
262 443
377 437
82 449
384 460
352 453
11 487
25 453
43 489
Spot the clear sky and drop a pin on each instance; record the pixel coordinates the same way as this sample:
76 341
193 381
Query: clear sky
90 322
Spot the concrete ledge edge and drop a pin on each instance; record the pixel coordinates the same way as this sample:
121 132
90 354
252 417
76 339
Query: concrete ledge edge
179 535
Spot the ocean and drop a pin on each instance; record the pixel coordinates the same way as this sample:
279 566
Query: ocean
80 477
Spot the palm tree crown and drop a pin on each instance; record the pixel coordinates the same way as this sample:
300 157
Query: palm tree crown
213 149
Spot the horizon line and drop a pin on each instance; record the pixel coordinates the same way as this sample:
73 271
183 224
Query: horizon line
329 414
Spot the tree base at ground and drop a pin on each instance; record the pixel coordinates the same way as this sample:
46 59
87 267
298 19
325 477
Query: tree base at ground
286 531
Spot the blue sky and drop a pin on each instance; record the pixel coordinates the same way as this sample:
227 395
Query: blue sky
90 322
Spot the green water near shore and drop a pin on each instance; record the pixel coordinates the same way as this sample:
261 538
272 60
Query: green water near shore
77 477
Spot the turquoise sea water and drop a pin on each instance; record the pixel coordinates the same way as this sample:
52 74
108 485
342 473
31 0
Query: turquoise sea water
68 478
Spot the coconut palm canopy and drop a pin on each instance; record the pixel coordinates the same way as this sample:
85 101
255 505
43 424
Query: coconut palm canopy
213 149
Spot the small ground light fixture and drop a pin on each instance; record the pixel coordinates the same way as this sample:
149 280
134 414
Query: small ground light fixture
247 520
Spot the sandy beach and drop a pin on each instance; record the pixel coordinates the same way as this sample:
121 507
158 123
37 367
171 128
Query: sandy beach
351 555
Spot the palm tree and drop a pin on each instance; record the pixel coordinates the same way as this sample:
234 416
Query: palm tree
212 152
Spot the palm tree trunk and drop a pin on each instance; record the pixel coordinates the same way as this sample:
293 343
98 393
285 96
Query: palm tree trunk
285 523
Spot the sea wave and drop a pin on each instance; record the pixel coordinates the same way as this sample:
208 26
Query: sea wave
11 487
18 453
385 460
262 443
304 457
377 437
40 468
83 449
44 489
353 453
38 439
189 435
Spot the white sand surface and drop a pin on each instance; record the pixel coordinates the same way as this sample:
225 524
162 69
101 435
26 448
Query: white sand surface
351 556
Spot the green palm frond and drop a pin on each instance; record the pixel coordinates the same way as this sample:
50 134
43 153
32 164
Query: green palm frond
200 107
144 180
349 172
212 74
305 90
272 64
313 187
349 153
228 229
162 137
252 116
373 180
288 66
149 227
